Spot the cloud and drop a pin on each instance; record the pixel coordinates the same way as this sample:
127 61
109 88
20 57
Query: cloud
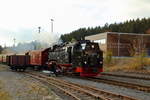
20 18
21 35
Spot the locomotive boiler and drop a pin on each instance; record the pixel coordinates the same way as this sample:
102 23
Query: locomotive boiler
83 57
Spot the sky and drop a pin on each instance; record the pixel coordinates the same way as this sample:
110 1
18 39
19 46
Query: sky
20 19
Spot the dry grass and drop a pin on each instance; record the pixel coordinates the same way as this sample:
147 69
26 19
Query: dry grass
3 67
128 64
3 94
108 58
38 91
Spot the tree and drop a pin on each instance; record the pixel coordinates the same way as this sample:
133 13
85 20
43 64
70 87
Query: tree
1 49
129 26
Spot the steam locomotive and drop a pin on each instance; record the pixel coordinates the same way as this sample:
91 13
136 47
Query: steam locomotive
83 58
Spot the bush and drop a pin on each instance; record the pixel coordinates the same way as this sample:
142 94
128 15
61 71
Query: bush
140 62
108 58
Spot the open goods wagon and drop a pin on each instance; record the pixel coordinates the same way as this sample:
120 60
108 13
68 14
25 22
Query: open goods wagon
3 58
18 62
38 58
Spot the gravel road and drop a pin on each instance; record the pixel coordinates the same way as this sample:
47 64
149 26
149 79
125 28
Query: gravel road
17 86
115 89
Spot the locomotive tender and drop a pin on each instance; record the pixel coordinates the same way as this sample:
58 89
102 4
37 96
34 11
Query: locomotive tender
83 58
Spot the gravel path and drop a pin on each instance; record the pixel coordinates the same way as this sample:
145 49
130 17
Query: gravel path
116 89
17 86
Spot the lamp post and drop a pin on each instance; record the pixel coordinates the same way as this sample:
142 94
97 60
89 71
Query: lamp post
52 25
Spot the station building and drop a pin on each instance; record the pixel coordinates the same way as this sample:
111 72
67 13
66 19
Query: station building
122 44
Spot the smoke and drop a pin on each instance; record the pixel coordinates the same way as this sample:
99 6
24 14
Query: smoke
47 38
40 41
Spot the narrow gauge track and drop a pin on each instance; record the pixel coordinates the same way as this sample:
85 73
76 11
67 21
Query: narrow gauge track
118 83
127 76
143 72
80 92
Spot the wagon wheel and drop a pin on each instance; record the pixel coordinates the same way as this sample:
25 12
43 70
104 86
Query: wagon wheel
15 69
11 67
23 69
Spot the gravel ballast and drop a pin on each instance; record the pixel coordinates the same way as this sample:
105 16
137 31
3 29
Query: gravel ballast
115 89
129 74
129 80
18 86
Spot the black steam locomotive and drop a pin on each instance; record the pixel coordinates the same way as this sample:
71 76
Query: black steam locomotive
83 57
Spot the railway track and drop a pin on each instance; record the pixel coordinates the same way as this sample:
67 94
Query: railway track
118 83
78 91
143 72
127 76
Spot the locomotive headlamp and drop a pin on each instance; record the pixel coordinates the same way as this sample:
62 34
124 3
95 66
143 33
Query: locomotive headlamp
85 62
92 46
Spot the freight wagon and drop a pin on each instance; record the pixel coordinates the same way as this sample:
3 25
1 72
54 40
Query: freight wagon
18 62
38 58
3 58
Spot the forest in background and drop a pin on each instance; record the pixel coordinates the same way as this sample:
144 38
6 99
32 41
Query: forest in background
140 26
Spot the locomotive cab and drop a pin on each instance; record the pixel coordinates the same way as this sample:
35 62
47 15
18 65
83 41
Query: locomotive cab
87 58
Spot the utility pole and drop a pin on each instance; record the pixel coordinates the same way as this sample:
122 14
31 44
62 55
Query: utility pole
52 25
39 29
5 45
14 41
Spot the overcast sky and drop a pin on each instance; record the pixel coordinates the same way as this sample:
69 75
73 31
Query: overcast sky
20 18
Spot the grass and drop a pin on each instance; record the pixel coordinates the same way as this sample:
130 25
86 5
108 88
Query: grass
3 67
3 94
39 91
128 64
108 58
138 62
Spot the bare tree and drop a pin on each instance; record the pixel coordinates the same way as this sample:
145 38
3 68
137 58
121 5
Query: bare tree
1 49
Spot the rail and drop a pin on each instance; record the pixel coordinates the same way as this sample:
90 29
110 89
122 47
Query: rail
80 92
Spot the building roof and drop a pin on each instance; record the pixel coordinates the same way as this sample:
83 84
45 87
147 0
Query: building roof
125 33
100 34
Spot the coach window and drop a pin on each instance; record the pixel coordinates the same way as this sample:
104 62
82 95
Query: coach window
69 52
83 46
77 48
69 49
